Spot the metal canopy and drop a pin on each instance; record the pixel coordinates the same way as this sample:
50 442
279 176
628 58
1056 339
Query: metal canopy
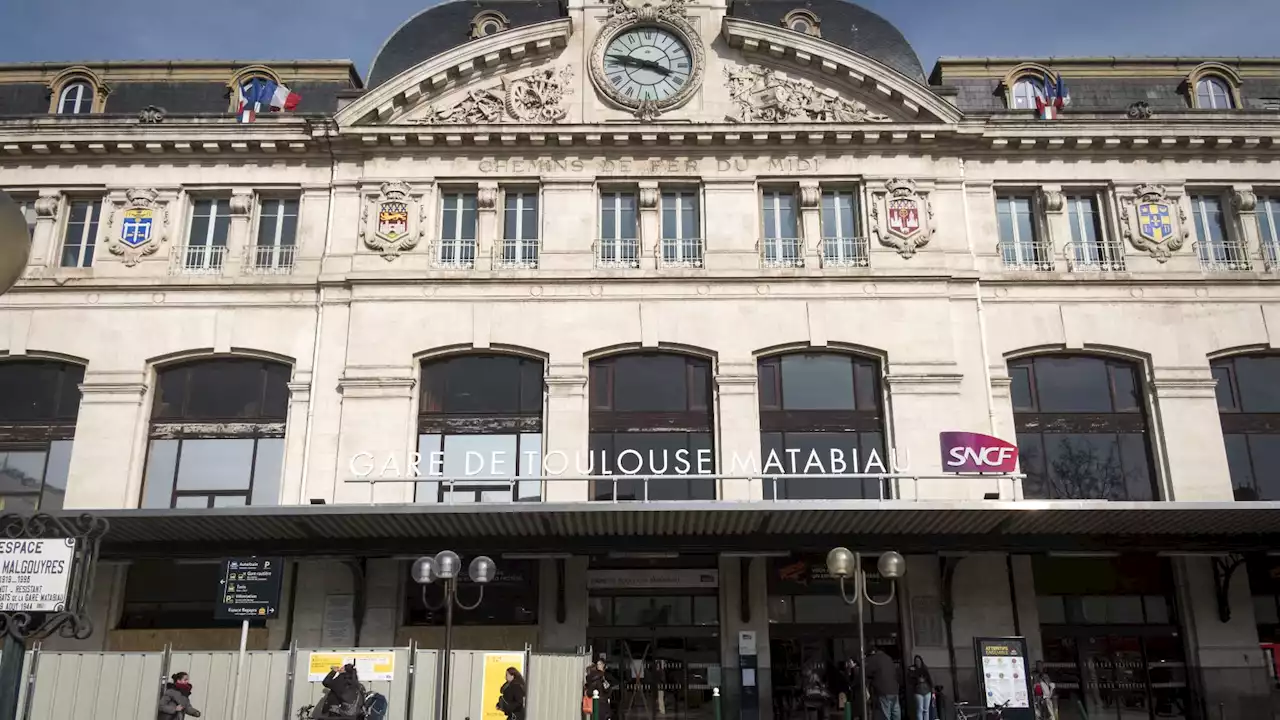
706 525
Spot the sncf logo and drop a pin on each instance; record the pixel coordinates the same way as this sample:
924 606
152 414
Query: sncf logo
966 452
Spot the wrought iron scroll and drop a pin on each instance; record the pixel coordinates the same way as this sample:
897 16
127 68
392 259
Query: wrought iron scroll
72 621
1223 569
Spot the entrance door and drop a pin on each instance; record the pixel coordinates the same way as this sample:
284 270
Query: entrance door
661 677
1117 675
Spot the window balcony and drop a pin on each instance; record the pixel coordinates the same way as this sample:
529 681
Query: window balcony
846 252
197 260
1033 256
270 259
517 255
617 253
680 253
454 255
1223 256
782 253
1105 256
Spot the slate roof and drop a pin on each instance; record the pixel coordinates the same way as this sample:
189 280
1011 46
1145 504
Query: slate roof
445 26
844 24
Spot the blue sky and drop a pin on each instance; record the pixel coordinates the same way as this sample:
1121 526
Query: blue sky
60 30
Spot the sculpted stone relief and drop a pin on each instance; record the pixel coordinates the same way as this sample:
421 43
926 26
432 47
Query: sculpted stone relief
1153 221
538 97
765 95
906 224
142 225
397 227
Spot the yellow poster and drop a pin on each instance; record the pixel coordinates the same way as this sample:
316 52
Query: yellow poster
370 666
495 674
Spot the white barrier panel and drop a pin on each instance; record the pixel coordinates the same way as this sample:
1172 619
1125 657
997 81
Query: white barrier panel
555 686
315 662
98 685
213 675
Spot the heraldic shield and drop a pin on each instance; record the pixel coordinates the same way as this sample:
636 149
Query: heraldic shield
135 228
905 224
1153 222
395 224
142 225
904 217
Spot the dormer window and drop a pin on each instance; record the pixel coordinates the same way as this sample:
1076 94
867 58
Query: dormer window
1213 86
76 91
1024 94
802 21
489 22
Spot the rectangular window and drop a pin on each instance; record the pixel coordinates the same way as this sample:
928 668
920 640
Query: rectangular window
491 465
681 229
1091 249
1214 246
619 245
1020 245
82 233
520 229
1268 213
457 230
781 246
161 594
277 234
842 244
213 472
207 240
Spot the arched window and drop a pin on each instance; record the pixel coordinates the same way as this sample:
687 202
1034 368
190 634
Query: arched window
1082 428
488 22
217 434
821 413
651 415
1249 405
1023 95
802 21
39 401
76 98
480 419
1213 93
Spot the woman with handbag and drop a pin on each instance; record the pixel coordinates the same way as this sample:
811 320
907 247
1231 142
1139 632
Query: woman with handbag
511 696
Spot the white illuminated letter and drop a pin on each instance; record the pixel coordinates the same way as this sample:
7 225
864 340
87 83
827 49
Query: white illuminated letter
467 465
367 468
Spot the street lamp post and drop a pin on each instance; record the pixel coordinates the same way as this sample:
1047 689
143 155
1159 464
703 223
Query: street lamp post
444 566
843 564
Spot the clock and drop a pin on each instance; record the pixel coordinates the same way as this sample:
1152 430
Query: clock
648 65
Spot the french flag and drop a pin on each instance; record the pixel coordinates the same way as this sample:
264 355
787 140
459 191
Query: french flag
263 95
1051 97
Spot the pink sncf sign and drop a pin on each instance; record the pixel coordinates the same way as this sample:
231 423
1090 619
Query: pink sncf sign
966 452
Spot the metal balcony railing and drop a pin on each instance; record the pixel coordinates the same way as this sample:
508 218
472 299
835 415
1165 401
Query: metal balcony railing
454 254
1270 256
1223 256
270 259
782 252
680 252
617 253
846 252
197 260
1105 256
517 255
1032 255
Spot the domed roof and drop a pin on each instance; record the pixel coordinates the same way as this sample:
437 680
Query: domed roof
446 26
845 24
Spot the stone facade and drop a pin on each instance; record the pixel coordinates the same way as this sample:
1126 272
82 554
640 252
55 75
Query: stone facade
357 305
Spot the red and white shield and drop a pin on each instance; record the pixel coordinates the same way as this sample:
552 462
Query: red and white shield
904 217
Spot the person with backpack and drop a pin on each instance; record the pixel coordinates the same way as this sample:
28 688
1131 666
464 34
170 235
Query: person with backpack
920 681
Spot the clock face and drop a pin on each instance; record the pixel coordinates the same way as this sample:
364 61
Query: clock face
647 63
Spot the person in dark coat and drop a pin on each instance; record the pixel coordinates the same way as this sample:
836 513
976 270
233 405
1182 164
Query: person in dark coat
599 681
175 701
343 699
882 681
511 696
920 682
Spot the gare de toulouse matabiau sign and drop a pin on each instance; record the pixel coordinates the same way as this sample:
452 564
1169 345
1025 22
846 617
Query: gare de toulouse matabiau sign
962 452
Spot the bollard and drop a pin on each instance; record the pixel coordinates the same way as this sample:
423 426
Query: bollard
595 705
715 699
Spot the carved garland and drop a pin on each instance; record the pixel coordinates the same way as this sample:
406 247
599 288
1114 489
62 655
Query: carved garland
667 14
765 95
538 97
1148 221
143 226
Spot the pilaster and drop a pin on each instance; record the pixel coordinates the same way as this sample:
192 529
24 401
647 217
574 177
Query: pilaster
1244 201
567 425
924 400
570 226
376 420
44 240
738 416
811 222
650 209
238 235
110 441
295 435
487 250
1191 432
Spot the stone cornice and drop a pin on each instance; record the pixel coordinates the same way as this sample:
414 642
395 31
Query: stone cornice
924 383
97 135
410 87
376 387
